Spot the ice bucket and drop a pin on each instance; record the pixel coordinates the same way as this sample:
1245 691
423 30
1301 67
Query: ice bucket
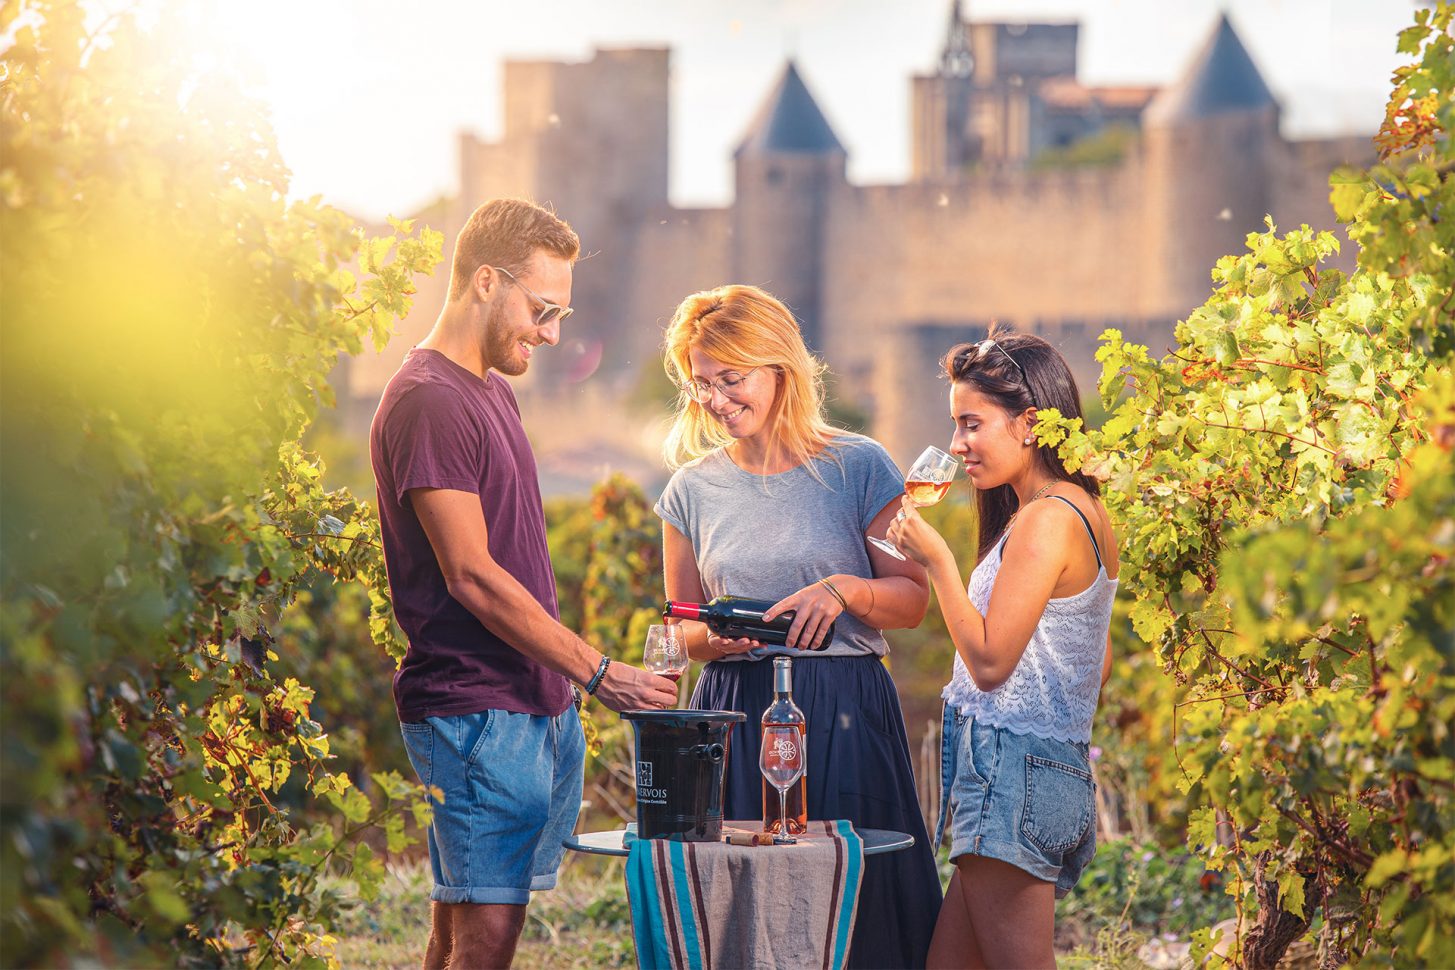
681 769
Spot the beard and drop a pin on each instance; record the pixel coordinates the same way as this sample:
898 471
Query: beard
501 352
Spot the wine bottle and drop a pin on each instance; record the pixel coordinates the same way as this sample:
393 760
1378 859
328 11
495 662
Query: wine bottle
739 618
784 713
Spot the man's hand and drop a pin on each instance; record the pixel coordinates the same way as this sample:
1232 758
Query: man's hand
628 688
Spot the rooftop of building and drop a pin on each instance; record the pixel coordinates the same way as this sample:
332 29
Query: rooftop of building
1222 78
790 122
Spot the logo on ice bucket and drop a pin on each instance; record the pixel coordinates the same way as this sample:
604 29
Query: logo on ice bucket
645 791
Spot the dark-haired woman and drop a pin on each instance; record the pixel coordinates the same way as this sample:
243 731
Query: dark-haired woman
1031 654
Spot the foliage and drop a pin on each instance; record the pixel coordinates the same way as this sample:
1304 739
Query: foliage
1148 889
1283 486
169 321
1106 147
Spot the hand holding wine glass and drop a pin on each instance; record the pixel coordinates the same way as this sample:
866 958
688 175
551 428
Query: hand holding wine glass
927 481
665 651
781 759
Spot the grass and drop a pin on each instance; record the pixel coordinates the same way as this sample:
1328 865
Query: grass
1127 896
584 923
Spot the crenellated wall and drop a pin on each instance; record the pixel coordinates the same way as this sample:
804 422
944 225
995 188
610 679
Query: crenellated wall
886 278
1020 247
679 251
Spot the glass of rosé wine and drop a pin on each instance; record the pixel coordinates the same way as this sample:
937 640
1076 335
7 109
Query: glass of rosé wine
927 481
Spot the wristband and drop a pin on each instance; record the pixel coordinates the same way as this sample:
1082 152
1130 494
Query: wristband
600 673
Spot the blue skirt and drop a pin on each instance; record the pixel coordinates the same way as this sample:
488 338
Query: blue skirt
859 769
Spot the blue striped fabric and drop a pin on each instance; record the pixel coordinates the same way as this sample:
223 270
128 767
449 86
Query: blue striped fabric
698 904
850 901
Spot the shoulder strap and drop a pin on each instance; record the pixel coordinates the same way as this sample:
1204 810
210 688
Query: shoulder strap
1092 535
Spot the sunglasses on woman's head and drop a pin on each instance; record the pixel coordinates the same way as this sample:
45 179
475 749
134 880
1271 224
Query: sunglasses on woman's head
988 344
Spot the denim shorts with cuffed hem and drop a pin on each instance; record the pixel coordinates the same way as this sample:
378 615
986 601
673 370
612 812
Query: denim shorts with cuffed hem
1019 798
512 790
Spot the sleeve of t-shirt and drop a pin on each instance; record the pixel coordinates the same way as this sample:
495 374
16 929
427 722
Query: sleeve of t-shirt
672 507
433 443
882 481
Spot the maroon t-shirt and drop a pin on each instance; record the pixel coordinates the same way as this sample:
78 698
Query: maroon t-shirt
440 426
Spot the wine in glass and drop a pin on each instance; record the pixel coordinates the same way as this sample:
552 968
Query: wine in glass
781 759
927 481
665 651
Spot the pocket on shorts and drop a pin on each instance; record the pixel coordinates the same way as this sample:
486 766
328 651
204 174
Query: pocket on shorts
1058 804
475 731
977 753
419 746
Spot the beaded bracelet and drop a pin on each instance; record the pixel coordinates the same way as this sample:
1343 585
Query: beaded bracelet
600 673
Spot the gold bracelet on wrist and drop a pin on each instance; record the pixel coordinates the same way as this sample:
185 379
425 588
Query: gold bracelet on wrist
837 595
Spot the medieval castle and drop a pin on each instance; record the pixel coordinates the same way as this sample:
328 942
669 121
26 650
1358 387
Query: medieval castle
1054 207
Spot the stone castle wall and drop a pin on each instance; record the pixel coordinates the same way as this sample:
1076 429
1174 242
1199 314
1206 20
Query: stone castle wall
888 276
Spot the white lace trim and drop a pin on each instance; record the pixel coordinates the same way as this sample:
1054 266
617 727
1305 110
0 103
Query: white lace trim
1052 692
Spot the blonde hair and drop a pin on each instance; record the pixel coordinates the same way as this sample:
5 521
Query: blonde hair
743 326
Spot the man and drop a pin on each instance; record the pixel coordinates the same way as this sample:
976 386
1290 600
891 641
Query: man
485 691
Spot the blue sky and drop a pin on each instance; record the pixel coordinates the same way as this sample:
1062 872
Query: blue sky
367 99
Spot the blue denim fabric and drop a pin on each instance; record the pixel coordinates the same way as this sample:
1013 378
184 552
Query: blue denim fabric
512 789
1022 799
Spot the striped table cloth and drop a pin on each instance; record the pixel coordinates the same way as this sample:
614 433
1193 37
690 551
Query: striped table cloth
710 904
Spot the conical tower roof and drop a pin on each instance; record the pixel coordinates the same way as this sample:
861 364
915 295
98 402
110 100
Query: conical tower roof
1222 79
790 121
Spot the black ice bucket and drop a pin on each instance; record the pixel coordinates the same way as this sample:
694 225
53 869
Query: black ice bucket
681 767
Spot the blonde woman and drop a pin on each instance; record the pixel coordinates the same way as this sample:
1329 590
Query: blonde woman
769 501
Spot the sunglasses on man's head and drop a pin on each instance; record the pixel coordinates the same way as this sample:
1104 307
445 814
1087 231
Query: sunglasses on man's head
549 311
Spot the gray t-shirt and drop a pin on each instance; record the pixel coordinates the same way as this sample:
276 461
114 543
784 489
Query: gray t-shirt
768 536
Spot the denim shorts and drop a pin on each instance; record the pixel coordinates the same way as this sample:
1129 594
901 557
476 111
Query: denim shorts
512 790
1022 799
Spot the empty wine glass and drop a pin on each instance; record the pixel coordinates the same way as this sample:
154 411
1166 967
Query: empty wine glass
665 651
927 481
781 759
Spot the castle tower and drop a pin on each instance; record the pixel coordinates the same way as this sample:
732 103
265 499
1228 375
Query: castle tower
1210 146
943 143
591 139
787 169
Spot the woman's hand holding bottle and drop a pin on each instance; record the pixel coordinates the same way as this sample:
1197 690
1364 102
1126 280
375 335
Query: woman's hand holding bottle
815 608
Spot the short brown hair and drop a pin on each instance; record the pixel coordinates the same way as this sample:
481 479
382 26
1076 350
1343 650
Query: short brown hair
507 233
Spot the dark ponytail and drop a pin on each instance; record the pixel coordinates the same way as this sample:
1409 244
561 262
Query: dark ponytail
1017 371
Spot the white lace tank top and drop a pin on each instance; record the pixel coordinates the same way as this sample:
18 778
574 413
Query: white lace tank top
1053 690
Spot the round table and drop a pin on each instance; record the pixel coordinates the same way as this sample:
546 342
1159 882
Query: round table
611 843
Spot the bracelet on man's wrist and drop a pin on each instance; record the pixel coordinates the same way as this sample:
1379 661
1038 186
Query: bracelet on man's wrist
595 682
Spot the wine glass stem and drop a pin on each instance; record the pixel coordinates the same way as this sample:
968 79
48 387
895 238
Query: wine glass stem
783 810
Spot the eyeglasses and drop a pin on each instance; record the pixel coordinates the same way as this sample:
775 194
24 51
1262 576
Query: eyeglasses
700 390
988 344
549 311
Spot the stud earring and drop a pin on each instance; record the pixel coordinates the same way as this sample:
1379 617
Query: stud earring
1028 441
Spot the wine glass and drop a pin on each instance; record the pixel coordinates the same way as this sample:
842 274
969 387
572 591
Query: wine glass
665 651
781 760
927 481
